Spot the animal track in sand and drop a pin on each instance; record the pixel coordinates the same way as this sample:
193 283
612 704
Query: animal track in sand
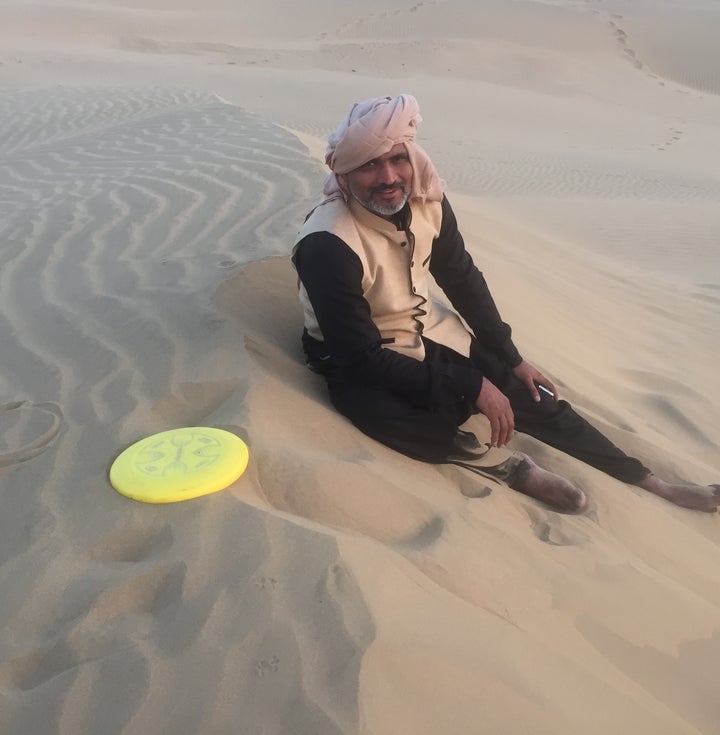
266 583
36 425
271 666
265 667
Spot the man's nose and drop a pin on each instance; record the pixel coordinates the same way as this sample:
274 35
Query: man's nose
387 174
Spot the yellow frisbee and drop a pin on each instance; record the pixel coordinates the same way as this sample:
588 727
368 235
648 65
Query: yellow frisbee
179 464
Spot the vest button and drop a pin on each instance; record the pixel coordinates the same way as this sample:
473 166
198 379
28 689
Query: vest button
412 263
403 244
414 289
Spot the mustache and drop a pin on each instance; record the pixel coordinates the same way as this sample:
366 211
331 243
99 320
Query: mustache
384 189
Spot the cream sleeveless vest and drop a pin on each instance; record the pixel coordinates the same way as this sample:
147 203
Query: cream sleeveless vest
396 278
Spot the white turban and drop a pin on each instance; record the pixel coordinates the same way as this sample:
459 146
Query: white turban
370 130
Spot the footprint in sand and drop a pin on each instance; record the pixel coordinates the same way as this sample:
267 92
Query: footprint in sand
27 429
469 484
424 537
672 137
131 545
140 593
90 621
551 529
709 298
138 578
621 39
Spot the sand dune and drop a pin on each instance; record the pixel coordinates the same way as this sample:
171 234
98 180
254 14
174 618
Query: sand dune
123 225
155 164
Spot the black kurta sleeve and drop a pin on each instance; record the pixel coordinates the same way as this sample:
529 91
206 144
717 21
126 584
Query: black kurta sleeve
453 269
332 276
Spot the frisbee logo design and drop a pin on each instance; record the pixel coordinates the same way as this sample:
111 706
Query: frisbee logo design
179 455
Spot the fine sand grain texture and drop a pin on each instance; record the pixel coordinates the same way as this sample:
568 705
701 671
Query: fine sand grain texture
156 161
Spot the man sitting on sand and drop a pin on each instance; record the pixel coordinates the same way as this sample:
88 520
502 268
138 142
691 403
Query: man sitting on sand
405 369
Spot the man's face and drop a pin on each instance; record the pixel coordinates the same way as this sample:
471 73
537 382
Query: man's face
382 185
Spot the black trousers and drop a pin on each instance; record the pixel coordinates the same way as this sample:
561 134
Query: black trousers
428 430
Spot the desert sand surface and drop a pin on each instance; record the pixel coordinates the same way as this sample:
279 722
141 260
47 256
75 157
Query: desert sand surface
156 160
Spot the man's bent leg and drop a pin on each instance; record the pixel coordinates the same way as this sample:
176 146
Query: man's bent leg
411 430
416 431
433 437
557 424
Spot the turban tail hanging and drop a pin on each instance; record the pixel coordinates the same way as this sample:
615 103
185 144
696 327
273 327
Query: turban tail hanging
370 130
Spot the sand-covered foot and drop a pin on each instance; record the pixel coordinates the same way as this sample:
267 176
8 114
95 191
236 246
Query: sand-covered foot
531 479
686 495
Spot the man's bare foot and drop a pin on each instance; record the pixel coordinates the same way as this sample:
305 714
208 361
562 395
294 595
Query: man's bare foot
695 497
531 479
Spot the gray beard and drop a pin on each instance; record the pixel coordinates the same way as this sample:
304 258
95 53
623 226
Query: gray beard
379 208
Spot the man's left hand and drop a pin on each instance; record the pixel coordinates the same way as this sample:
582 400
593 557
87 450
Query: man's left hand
532 376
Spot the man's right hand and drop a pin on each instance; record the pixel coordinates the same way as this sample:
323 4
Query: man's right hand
496 407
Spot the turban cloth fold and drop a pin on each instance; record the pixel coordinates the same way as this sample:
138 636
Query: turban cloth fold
370 130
